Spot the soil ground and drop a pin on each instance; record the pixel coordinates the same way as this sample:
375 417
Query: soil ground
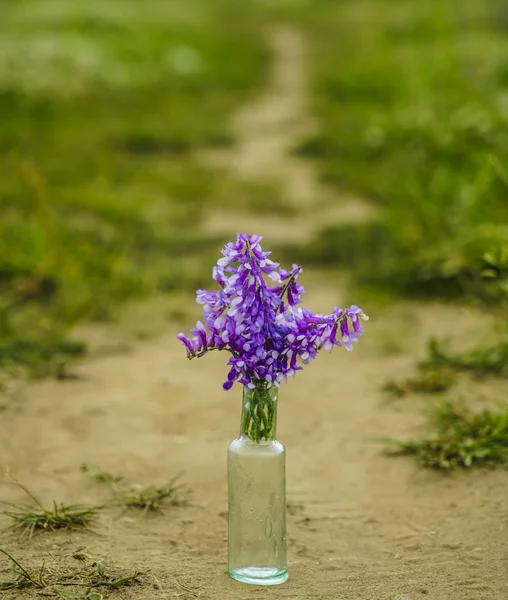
362 526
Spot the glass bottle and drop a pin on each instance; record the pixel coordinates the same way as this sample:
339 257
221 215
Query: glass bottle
257 493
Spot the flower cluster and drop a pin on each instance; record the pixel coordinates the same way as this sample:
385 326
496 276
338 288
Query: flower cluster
255 316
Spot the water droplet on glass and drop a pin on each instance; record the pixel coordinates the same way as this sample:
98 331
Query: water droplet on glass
268 528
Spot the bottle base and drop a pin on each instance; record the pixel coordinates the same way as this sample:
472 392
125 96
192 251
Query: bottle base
260 575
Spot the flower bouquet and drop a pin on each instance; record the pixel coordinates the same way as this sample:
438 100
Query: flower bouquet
255 316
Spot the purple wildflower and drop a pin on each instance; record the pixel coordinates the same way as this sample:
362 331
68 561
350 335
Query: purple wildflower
262 325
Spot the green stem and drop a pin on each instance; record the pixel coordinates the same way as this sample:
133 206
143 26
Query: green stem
259 412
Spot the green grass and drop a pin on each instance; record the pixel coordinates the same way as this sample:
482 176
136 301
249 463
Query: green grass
146 498
104 108
461 439
479 360
39 357
29 519
429 381
409 97
153 498
100 476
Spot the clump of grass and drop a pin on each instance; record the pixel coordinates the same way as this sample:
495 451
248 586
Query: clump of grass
429 381
28 519
100 476
149 498
39 358
481 360
153 498
461 439
90 575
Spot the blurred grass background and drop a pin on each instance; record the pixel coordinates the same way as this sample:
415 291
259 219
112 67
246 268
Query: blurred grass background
411 102
105 105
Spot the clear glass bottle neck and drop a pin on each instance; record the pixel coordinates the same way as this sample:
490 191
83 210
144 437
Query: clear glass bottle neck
259 413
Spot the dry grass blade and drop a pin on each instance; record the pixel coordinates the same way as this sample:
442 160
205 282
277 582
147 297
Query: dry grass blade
78 583
21 578
80 596
92 576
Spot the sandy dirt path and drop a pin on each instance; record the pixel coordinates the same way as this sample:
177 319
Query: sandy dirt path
361 526
268 129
